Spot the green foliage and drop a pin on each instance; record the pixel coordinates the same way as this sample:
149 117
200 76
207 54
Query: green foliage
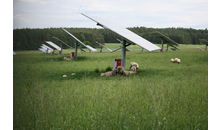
108 69
163 95
96 70
31 39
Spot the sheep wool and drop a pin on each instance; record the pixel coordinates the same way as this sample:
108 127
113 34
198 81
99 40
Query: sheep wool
109 73
128 73
172 60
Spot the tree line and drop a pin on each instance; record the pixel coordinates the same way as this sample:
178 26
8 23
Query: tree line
32 39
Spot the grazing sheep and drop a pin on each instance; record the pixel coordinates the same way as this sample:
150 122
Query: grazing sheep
178 60
64 58
172 60
134 64
120 70
133 68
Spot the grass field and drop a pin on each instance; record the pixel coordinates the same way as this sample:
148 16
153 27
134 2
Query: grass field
163 95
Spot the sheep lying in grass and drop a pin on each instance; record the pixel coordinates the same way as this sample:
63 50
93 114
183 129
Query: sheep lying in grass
176 60
134 64
67 59
128 73
119 70
110 73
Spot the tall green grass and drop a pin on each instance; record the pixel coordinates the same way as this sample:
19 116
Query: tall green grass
163 95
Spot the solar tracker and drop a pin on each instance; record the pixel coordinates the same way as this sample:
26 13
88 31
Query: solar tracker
41 49
103 46
125 33
62 42
47 47
87 46
165 40
53 45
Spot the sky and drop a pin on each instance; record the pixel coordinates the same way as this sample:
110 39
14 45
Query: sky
127 13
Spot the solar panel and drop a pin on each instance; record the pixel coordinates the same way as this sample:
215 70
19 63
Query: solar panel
87 46
53 45
41 49
47 47
125 33
166 39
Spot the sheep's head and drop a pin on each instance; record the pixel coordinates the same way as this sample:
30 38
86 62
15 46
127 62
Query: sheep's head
120 69
133 68
134 64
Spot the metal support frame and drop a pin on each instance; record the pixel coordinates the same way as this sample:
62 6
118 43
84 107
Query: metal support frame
101 50
75 50
123 53
162 45
61 48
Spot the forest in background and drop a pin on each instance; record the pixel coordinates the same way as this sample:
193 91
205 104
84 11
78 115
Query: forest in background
32 39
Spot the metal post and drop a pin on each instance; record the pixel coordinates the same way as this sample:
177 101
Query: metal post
61 49
123 53
101 49
162 46
75 50
167 47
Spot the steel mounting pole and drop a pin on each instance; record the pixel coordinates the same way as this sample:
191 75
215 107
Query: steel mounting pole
167 47
75 50
162 46
61 48
123 53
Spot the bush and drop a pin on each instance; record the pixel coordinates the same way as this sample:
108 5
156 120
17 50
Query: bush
108 69
96 70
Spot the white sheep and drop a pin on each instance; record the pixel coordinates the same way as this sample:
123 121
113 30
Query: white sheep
134 64
133 68
172 60
178 60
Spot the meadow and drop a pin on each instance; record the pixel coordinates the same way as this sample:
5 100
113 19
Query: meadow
163 95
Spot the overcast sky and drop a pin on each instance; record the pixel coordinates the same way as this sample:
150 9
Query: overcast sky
127 13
